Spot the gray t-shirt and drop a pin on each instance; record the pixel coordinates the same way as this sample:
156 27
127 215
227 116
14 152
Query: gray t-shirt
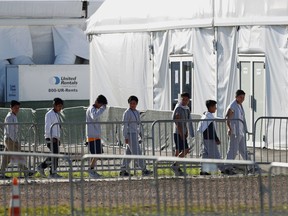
184 115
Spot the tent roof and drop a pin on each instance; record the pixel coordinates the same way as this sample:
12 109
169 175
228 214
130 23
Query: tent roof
143 15
154 15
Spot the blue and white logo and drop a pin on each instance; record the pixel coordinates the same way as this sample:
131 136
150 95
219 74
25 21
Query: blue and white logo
55 80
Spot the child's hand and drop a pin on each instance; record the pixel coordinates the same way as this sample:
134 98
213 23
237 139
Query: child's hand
229 132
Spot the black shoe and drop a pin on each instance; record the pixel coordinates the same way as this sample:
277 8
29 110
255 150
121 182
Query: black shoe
29 174
254 171
228 172
125 173
204 173
147 172
181 173
177 170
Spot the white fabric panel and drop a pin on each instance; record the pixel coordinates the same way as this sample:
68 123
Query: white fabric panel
247 12
204 68
70 40
65 58
121 68
180 41
161 85
36 42
277 67
40 8
277 82
43 47
15 41
149 15
251 39
228 79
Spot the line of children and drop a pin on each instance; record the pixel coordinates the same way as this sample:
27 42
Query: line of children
132 132
236 132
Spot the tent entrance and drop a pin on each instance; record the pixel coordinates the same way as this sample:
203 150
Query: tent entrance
181 78
252 81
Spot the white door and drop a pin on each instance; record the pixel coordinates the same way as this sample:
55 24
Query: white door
252 81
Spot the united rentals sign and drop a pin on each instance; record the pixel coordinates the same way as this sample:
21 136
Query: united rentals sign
43 82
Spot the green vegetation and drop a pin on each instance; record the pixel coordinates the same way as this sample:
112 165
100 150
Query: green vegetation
113 174
141 210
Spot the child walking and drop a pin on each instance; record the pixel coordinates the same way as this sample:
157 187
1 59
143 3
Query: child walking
210 138
132 132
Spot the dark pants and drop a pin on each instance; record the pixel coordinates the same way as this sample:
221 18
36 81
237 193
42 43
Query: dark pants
51 162
181 145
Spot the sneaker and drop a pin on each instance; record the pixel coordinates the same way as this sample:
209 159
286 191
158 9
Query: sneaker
228 172
147 172
28 174
94 174
125 173
41 171
55 176
204 173
181 173
176 169
255 170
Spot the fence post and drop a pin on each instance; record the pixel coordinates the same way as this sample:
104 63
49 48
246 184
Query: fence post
71 185
157 187
153 137
82 182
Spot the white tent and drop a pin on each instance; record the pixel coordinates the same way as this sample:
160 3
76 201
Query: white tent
230 44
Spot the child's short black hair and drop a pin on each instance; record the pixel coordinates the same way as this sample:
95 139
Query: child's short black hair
239 92
101 99
185 94
58 101
14 103
210 103
133 98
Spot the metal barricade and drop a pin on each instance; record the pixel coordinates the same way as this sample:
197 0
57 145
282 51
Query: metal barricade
278 188
115 195
163 139
73 139
163 193
26 137
270 141
39 196
214 194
